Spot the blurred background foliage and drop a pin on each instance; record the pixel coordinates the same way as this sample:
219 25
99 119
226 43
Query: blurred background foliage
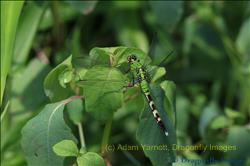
210 66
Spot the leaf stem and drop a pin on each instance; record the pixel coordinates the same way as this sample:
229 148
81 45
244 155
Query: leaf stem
81 134
106 134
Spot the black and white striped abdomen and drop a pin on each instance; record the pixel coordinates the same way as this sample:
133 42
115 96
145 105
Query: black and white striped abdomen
155 112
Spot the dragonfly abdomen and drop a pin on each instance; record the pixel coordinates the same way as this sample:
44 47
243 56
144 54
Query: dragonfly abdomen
155 112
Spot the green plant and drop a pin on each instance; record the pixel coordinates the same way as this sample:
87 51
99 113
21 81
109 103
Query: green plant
46 48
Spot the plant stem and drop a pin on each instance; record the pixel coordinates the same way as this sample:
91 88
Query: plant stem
57 29
106 134
81 134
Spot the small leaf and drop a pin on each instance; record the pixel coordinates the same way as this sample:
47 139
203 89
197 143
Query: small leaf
52 87
160 71
66 148
219 122
90 159
75 110
65 77
235 115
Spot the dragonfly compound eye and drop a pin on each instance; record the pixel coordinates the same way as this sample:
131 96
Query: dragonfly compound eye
131 58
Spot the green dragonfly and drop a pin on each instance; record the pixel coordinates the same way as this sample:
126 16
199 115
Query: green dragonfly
136 69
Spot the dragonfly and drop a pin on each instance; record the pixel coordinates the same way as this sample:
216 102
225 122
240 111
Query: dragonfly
139 74
140 77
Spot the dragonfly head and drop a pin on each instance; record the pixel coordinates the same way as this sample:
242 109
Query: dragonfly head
132 58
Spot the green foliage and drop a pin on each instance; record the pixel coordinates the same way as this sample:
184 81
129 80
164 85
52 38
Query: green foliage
149 134
42 132
66 148
55 82
90 158
102 90
78 48
30 19
10 12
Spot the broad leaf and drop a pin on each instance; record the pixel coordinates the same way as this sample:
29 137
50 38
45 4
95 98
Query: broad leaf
10 12
66 148
90 159
52 87
150 134
102 90
42 132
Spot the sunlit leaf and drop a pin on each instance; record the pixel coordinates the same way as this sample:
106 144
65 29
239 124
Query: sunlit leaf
66 148
90 159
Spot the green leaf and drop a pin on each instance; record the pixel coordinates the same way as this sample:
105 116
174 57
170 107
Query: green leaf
75 110
150 134
168 13
65 77
90 159
26 30
239 137
129 31
207 115
66 148
190 31
26 82
10 12
4 111
243 39
235 115
158 73
102 91
169 89
42 132
115 56
66 13
219 122
85 7
52 86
